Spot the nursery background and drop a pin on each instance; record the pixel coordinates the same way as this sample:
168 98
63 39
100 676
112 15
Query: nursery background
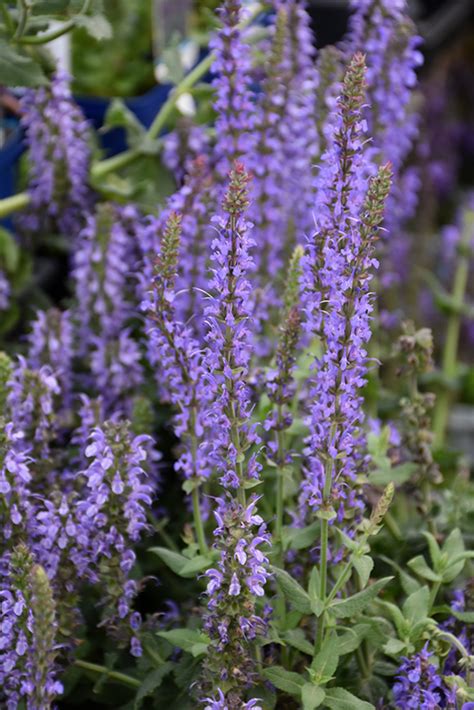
236 339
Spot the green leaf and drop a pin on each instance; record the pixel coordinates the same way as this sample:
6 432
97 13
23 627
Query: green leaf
394 647
282 679
349 640
197 564
151 682
364 566
300 538
294 592
420 566
341 699
417 606
189 640
409 583
325 662
312 696
435 551
466 616
9 252
354 605
393 474
297 639
97 26
180 564
17 69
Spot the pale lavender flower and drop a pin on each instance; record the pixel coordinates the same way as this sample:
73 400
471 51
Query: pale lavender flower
4 291
337 269
233 103
51 342
172 344
112 510
182 146
58 139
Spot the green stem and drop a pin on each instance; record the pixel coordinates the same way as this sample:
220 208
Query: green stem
451 345
14 203
280 490
198 522
323 563
110 675
24 14
58 32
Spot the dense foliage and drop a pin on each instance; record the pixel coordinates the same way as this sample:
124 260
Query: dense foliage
225 480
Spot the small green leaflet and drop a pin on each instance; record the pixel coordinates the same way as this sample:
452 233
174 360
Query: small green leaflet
190 640
151 682
312 696
352 606
181 565
282 679
341 699
17 69
293 591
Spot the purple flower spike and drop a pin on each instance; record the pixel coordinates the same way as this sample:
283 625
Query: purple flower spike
337 269
58 139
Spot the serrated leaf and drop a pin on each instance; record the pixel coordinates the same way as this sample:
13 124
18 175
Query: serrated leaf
434 548
392 474
173 560
297 639
420 566
197 564
341 699
454 544
416 607
282 679
151 682
364 566
325 662
294 592
312 696
409 584
397 616
351 606
349 640
181 565
300 538
466 616
189 640
97 26
394 647
17 69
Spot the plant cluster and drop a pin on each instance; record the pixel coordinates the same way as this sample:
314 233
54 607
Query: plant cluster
224 479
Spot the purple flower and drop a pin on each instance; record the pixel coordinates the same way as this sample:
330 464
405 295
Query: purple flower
51 342
30 401
233 103
173 345
58 139
106 249
4 291
337 269
242 570
28 646
382 29
182 146
418 684
112 511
